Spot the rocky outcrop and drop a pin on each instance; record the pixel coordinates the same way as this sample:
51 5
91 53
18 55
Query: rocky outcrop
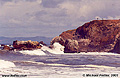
96 35
26 45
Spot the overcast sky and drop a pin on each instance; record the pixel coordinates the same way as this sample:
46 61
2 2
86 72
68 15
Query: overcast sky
29 18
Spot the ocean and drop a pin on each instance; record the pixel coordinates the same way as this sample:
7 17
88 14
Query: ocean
54 63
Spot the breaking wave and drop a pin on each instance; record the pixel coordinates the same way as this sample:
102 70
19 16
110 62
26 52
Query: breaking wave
57 49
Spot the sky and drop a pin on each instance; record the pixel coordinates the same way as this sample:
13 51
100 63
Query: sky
49 18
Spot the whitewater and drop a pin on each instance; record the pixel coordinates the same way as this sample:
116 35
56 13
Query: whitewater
54 63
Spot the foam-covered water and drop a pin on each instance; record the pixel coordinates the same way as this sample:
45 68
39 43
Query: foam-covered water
54 63
33 52
6 64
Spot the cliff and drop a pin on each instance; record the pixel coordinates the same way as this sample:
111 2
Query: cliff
94 36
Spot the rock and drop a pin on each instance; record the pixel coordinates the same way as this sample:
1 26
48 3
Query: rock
94 36
68 34
41 42
51 46
3 45
58 39
83 45
71 46
102 34
6 48
26 45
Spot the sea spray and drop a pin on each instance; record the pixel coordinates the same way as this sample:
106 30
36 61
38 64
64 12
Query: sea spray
58 49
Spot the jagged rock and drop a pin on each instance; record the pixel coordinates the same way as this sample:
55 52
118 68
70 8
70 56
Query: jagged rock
26 45
6 47
96 35
71 46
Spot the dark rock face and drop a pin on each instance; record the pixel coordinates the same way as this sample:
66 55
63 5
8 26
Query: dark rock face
26 45
97 35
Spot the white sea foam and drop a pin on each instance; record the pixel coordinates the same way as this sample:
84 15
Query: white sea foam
33 52
98 53
6 64
58 49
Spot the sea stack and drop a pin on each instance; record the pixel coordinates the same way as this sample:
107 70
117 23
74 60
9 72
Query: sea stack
93 36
